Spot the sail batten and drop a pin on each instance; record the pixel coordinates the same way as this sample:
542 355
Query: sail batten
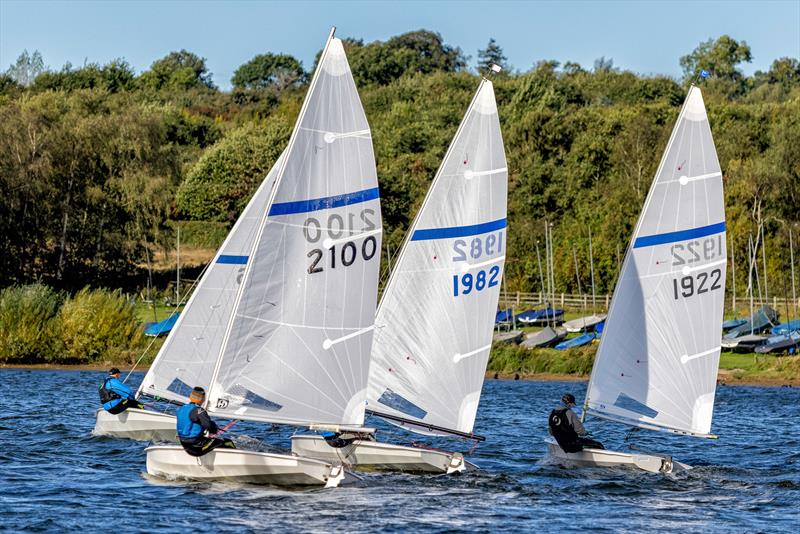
657 363
434 323
297 347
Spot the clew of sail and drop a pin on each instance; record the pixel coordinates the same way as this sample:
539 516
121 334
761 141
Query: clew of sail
433 329
297 347
656 366
189 354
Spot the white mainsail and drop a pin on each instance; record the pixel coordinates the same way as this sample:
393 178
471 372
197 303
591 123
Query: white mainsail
189 354
433 329
297 348
656 366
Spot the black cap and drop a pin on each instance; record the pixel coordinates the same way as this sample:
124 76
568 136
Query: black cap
114 371
568 398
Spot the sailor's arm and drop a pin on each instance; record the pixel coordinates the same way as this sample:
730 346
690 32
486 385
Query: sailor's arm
120 389
201 417
575 421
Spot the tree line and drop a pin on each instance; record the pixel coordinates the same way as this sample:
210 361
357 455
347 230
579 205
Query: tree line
97 163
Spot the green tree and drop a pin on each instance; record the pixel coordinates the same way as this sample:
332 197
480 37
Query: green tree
222 181
269 70
116 76
177 71
491 55
721 57
414 52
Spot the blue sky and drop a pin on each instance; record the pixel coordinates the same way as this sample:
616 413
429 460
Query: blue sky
645 37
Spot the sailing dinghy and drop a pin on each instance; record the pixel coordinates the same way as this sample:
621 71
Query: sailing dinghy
188 355
435 320
296 348
656 367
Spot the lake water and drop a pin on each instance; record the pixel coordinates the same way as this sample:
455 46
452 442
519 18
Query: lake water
56 476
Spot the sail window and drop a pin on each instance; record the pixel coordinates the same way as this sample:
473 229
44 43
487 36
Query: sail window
179 387
401 404
251 399
632 405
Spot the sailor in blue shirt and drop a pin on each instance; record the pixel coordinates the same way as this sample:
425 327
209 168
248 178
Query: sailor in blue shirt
196 430
115 396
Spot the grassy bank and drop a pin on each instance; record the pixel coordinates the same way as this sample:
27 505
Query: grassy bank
509 361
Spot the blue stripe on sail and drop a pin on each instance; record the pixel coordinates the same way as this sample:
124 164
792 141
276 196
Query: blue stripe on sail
316 204
458 231
681 235
232 260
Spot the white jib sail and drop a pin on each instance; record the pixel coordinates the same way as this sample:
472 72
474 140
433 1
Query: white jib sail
297 348
656 366
190 352
433 329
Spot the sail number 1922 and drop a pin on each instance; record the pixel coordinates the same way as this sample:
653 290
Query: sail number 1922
691 285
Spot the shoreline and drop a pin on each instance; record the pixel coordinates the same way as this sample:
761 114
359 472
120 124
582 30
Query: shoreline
725 377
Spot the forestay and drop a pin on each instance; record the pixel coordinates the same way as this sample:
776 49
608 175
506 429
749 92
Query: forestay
656 366
188 355
297 348
434 324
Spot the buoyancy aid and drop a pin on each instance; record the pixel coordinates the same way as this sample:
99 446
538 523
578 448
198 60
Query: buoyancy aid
188 429
106 394
562 431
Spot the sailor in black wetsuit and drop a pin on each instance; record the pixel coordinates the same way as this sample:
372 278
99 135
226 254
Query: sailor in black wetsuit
567 429
195 427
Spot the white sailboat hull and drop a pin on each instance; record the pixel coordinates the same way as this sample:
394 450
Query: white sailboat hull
235 465
140 425
607 458
373 455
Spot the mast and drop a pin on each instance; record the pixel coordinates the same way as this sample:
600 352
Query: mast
541 272
178 270
591 267
764 258
791 255
733 277
578 278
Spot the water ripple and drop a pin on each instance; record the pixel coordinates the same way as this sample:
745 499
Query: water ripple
58 477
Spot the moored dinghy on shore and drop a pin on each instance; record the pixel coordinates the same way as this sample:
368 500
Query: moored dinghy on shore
656 367
434 324
297 346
